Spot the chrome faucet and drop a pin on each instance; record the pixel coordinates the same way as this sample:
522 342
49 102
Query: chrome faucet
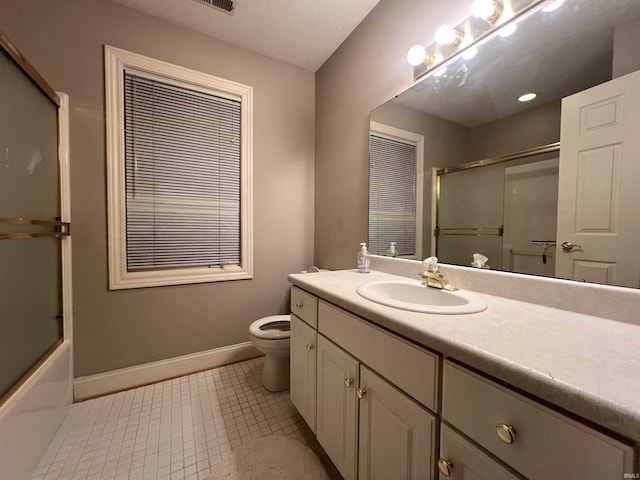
433 277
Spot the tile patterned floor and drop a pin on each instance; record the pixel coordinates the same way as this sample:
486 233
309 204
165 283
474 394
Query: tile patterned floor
174 430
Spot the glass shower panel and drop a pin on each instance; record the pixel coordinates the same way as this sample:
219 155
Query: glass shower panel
28 147
470 215
30 268
29 305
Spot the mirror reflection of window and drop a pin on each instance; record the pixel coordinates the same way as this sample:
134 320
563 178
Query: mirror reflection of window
394 193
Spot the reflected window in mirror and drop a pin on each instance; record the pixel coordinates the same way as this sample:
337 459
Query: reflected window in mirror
395 191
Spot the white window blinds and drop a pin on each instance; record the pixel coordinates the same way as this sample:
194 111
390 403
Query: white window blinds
182 176
392 195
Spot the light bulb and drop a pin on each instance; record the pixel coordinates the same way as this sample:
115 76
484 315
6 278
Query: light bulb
483 8
552 6
416 55
437 58
447 35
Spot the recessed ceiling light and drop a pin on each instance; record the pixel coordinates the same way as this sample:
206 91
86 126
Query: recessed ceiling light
527 97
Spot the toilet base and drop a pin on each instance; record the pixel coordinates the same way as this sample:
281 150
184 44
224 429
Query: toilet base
275 374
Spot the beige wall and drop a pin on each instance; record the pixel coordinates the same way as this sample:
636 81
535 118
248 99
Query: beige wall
531 128
64 40
626 42
368 69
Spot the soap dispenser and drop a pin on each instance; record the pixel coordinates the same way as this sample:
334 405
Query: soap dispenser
364 262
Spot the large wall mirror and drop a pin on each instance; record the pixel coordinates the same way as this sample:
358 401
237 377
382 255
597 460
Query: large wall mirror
549 186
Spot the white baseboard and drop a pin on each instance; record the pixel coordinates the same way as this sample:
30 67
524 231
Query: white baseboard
131 377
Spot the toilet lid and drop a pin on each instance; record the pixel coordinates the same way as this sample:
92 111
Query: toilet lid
273 327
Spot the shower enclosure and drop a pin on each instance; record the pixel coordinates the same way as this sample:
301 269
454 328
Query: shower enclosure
35 351
503 208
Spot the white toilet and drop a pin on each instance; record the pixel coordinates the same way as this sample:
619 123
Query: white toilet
270 335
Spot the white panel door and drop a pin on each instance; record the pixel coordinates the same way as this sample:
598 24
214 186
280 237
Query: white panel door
397 436
337 406
303 370
599 184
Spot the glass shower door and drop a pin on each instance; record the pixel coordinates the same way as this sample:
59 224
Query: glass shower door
30 224
470 215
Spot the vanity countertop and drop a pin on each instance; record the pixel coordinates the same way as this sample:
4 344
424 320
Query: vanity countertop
585 364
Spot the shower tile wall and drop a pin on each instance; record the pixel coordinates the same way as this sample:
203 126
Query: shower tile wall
174 430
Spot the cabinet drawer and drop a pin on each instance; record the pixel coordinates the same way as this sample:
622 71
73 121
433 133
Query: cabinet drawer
546 444
412 369
463 460
305 306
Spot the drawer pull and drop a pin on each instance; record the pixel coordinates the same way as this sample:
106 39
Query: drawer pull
299 305
309 347
348 382
445 466
506 433
361 392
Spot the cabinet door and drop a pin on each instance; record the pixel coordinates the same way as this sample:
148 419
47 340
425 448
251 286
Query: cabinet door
336 422
303 370
461 460
397 435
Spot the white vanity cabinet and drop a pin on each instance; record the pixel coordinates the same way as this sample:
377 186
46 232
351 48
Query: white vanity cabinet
397 435
536 441
364 418
303 339
461 460
338 379
373 400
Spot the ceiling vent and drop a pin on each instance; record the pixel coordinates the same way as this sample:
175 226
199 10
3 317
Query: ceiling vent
227 6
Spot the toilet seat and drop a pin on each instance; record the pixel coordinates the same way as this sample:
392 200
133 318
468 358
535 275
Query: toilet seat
274 327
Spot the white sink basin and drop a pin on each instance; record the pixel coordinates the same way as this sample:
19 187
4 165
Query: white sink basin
415 296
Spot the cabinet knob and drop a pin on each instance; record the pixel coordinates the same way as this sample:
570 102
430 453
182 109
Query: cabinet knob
361 392
299 305
348 382
309 347
506 433
445 466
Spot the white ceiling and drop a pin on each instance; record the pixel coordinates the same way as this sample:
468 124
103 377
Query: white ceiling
301 32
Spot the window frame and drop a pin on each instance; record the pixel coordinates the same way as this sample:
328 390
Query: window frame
116 61
417 140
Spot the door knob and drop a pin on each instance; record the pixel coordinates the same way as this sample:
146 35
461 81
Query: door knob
361 392
309 347
348 382
568 246
299 304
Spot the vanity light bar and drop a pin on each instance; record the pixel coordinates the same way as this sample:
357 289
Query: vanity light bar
462 39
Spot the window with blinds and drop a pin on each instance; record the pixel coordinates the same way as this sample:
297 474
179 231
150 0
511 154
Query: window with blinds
182 176
179 174
392 195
